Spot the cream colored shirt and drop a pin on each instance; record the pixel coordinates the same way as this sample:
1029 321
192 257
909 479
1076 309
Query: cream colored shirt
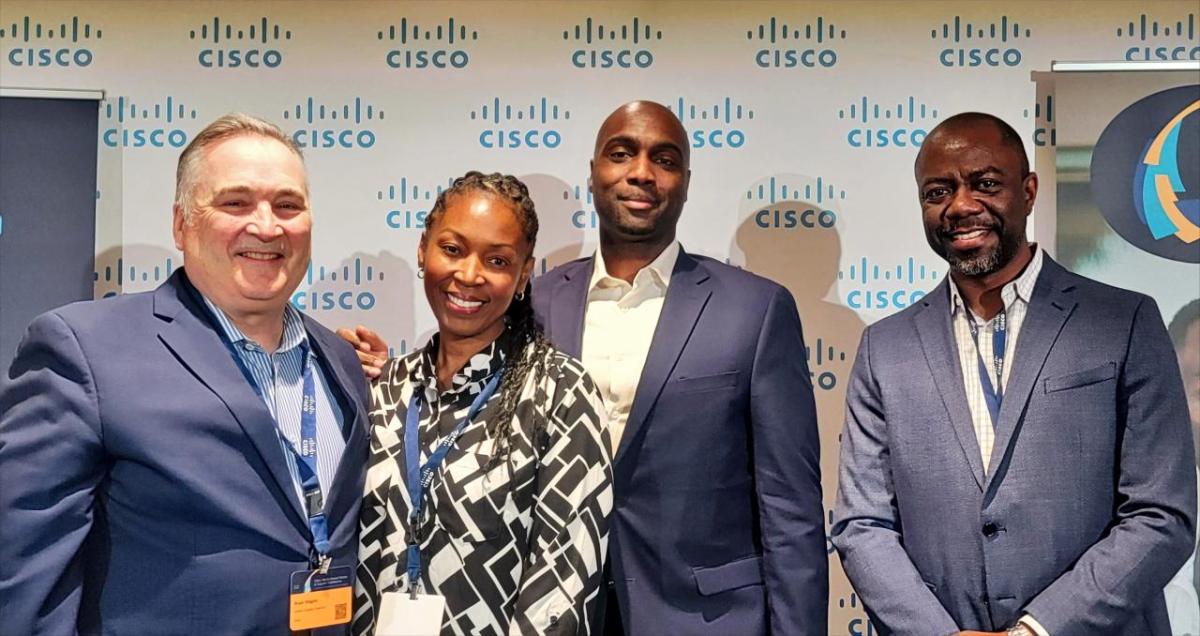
1015 295
618 327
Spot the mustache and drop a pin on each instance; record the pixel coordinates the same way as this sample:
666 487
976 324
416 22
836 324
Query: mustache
992 222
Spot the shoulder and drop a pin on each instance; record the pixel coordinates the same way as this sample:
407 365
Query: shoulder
570 269
114 318
739 287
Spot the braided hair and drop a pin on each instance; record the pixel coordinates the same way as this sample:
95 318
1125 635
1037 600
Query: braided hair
526 347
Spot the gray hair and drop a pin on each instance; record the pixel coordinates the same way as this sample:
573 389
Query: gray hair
231 125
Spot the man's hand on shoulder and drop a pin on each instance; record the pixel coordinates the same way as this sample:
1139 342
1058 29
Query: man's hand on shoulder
371 349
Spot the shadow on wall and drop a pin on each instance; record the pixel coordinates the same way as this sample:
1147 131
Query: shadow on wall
565 218
133 268
374 290
805 260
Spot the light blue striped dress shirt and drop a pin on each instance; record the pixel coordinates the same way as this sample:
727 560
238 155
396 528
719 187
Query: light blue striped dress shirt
280 383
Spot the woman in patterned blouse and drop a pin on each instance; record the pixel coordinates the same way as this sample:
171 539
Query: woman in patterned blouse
514 528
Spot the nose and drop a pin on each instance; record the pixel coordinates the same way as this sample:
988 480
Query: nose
963 203
264 225
641 169
469 272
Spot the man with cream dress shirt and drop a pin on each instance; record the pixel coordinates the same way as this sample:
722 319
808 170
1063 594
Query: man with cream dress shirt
717 525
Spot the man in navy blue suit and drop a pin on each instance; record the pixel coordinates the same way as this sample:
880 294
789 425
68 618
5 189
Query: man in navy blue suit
172 462
717 525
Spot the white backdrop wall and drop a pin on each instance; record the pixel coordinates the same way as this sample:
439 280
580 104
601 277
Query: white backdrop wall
804 118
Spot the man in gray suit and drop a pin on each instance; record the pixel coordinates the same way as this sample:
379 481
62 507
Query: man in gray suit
1016 454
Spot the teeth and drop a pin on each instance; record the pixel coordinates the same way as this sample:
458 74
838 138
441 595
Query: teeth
970 235
464 303
261 256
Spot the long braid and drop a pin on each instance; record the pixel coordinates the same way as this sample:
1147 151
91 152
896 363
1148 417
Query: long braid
527 347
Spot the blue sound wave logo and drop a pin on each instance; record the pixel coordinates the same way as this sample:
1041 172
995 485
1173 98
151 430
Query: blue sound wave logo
805 45
407 203
583 218
338 287
619 47
116 276
715 126
242 46
1177 40
1044 133
793 206
47 44
431 47
146 126
861 624
874 286
345 125
903 123
824 363
516 126
987 45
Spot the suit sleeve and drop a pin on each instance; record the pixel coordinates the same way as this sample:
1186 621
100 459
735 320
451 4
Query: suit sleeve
788 475
867 529
51 461
1155 520
568 538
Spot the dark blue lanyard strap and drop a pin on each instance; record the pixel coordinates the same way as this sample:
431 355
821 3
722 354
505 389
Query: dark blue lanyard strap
421 476
314 502
306 455
992 394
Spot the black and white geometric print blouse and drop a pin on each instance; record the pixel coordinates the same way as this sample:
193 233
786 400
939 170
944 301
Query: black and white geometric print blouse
514 549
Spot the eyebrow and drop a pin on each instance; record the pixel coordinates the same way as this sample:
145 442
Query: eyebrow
630 141
248 190
462 238
974 174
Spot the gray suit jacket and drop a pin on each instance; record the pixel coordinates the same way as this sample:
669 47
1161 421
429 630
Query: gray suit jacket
1090 503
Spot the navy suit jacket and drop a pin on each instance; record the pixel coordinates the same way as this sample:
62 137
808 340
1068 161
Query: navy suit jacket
717 526
1089 505
144 489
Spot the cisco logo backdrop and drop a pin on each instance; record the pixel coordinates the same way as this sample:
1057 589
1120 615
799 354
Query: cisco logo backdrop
628 45
812 44
228 46
442 45
38 43
802 119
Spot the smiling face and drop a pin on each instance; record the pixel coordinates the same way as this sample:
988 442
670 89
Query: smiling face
640 174
246 236
975 197
475 257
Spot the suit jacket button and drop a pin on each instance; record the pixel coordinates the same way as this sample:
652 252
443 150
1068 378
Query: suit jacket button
990 530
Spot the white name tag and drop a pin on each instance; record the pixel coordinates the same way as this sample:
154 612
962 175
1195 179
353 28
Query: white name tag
401 615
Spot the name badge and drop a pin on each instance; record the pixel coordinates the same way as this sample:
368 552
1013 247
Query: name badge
402 615
320 600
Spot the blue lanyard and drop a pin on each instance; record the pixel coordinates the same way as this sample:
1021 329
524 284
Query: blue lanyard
420 477
993 395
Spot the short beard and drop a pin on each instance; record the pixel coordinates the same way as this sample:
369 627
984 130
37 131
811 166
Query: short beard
981 264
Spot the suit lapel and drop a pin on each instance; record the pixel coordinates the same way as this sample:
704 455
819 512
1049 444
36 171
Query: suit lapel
941 353
568 306
1048 311
187 332
343 491
686 298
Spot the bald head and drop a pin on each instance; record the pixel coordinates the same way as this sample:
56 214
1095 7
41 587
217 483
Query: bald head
644 113
969 125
